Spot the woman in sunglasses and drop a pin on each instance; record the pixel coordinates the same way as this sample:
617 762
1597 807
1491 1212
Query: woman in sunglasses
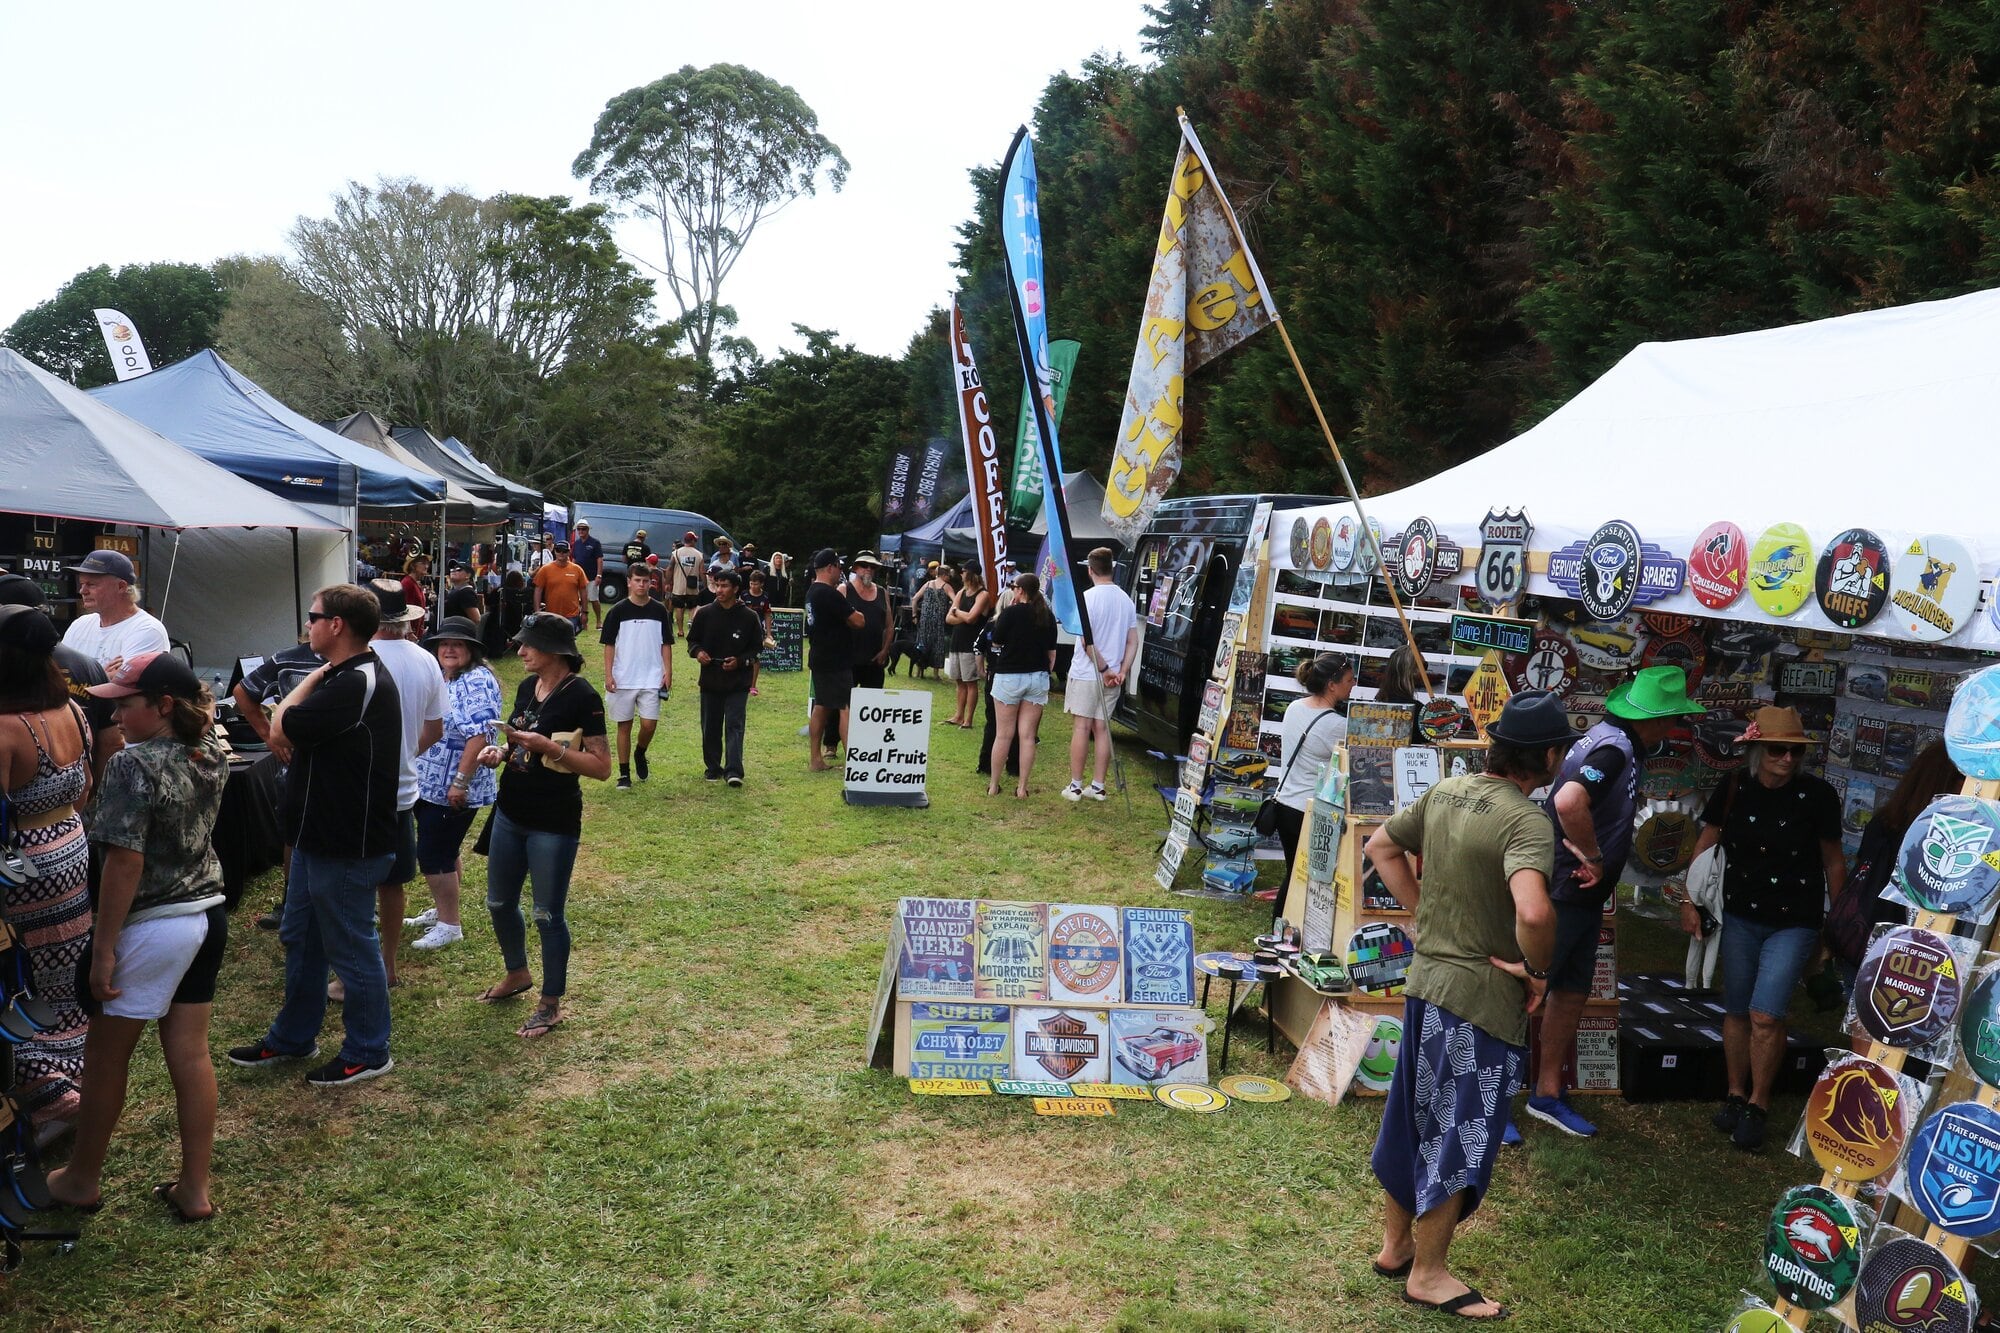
1780 830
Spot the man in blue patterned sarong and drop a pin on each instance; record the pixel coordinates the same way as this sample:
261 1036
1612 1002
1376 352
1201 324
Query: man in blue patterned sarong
1485 933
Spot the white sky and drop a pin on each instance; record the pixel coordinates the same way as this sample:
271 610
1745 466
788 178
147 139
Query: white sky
133 134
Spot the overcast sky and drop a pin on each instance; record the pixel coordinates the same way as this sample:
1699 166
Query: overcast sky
135 134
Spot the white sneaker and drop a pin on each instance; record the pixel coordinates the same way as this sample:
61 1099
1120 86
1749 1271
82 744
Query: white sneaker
438 936
1073 792
427 917
1095 791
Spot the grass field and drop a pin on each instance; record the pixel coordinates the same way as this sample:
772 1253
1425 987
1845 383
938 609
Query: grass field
699 1147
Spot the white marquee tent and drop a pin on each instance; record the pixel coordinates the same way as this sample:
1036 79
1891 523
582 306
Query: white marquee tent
1886 420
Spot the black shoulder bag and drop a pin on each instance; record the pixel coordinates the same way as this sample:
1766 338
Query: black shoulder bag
1267 813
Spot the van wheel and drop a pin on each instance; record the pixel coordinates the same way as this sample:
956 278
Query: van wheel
611 587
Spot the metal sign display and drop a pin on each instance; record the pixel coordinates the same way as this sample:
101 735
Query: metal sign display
1492 634
1501 576
1614 571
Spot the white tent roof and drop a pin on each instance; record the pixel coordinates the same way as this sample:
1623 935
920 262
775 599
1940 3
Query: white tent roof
1885 420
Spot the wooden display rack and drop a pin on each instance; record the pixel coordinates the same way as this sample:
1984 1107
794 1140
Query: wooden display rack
1959 1085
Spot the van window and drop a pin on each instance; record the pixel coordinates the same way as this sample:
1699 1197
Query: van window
1183 560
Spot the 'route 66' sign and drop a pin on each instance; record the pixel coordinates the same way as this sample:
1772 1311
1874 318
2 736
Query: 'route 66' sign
1501 577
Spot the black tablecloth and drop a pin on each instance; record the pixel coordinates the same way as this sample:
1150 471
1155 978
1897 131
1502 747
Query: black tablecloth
247 837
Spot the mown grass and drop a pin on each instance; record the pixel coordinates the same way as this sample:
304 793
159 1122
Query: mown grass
700 1147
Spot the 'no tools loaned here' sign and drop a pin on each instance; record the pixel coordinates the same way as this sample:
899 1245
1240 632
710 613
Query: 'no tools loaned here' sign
888 747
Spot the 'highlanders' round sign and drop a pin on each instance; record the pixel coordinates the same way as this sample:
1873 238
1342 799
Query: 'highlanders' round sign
1812 1249
1953 1175
1378 959
1979 1029
1852 581
1943 865
1853 1125
1932 597
1909 1284
1907 991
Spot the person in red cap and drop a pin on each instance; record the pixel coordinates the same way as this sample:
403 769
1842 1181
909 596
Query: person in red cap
161 927
686 571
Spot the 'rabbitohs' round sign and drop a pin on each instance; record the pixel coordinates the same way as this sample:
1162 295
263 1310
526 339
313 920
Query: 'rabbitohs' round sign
1950 860
1907 990
1812 1249
1911 1284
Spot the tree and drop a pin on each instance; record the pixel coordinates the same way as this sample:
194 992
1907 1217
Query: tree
175 306
707 154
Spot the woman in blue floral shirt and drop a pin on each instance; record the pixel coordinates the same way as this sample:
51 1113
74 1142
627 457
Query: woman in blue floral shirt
451 786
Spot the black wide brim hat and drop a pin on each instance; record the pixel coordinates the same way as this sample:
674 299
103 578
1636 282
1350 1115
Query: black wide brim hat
456 627
547 632
1533 720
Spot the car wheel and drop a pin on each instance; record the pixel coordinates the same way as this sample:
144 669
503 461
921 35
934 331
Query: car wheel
611 587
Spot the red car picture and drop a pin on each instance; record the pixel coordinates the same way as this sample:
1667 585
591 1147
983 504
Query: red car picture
1155 1054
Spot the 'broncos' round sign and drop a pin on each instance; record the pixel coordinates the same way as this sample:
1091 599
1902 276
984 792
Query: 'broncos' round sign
1854 1123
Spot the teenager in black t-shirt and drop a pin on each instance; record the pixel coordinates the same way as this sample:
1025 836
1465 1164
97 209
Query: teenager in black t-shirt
555 736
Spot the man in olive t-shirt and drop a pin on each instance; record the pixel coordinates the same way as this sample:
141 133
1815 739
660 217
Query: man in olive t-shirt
1485 934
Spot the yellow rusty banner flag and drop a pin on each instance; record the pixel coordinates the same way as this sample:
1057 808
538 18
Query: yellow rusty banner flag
1206 296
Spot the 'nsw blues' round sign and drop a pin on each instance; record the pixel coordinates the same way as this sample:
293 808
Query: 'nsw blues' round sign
1954 1169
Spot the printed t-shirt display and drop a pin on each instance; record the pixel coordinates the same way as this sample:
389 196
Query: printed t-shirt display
1773 837
1474 833
532 794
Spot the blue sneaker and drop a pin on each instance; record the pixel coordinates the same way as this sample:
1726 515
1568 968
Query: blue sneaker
1555 1111
1512 1138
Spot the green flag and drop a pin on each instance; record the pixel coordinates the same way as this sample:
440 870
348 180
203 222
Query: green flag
1025 497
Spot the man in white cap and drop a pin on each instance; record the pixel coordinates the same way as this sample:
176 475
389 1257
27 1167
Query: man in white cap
114 627
588 552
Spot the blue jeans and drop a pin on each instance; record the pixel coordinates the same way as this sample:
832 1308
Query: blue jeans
514 854
329 921
1761 965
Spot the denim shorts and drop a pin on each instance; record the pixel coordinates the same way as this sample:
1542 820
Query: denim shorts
440 834
1761 965
1021 687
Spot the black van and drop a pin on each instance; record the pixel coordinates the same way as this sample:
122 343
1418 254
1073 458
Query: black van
1197 542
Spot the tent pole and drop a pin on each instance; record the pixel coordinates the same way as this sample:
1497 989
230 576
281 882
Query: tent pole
298 596
173 559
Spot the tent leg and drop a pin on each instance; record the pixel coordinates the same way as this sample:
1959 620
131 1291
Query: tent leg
173 559
298 595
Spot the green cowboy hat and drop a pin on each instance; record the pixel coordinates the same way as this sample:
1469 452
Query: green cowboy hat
1656 692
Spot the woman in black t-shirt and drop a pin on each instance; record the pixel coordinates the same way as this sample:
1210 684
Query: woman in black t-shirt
968 615
1781 831
554 736
1024 652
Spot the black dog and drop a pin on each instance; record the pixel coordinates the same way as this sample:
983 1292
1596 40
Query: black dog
900 647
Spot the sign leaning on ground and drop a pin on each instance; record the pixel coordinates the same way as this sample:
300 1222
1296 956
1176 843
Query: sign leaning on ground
888 747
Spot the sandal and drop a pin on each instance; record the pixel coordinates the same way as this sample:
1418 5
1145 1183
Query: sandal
1470 1296
540 1023
1400 1270
164 1192
494 995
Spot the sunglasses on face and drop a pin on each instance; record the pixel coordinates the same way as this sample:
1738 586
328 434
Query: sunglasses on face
1784 751
314 617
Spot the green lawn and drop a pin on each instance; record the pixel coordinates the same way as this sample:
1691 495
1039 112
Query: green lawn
700 1148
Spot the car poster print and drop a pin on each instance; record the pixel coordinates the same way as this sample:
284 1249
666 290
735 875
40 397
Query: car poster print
1159 956
1084 954
949 1040
934 957
1153 1046
1067 1045
1013 958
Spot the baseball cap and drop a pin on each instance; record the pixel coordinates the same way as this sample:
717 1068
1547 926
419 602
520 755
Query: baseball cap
20 590
564 546
151 673
825 556
113 563
689 537
583 523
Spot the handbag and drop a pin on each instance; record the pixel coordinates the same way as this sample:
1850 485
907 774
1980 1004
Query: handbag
1267 813
1851 918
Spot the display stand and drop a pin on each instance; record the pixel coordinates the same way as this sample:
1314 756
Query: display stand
1959 1085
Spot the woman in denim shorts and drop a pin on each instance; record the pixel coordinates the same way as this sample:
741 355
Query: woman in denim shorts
1024 648
1780 828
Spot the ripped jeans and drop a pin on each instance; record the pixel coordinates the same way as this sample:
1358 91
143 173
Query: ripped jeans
515 854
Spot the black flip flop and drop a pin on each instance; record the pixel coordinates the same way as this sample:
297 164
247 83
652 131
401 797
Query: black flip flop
492 996
1470 1296
1400 1270
164 1192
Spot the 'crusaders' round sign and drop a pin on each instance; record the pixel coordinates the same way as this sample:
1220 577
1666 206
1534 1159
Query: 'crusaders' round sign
1907 991
1718 565
1812 1249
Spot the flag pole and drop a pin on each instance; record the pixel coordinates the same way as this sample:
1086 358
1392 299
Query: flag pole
1278 320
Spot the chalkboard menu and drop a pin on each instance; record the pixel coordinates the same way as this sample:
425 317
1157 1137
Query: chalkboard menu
788 627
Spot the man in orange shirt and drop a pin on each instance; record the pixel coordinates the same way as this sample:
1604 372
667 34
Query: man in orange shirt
560 587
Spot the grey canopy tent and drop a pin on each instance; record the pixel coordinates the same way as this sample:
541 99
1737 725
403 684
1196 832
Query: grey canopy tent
66 454
461 507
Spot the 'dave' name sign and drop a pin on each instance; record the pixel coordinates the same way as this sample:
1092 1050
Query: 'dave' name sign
888 747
